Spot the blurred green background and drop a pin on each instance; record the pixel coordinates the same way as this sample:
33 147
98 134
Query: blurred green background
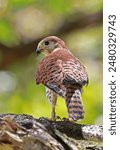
23 23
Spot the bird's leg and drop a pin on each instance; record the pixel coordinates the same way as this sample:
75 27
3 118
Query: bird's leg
53 114
53 102
52 97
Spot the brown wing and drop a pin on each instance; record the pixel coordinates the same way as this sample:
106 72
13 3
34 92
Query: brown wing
74 73
60 68
49 73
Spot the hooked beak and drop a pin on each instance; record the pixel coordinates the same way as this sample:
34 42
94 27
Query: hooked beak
38 51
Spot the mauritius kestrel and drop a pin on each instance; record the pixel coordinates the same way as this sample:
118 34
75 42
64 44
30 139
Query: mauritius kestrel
63 75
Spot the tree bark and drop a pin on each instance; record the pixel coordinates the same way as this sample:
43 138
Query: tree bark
24 132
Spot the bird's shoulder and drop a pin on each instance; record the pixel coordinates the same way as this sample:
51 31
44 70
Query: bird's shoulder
61 56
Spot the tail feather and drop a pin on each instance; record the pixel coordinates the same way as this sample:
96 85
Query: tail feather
74 103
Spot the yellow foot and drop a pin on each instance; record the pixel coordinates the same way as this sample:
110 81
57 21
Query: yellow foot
67 119
55 118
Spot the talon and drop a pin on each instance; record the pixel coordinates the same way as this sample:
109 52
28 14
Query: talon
64 119
58 118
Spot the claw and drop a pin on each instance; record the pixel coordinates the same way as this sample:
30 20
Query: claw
58 118
65 119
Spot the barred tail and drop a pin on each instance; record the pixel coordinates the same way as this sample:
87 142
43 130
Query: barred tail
74 103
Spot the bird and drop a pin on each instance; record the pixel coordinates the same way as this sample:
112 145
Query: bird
63 75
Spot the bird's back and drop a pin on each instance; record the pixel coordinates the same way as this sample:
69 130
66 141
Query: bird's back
61 62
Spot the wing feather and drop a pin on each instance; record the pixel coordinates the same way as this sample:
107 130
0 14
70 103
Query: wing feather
61 68
75 74
49 73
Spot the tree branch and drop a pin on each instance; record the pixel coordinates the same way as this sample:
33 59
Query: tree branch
69 24
23 132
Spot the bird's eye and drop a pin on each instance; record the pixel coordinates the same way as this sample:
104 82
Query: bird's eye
46 43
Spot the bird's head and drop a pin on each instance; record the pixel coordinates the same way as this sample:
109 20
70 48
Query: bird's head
49 45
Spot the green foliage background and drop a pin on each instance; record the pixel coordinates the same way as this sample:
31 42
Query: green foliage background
22 21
